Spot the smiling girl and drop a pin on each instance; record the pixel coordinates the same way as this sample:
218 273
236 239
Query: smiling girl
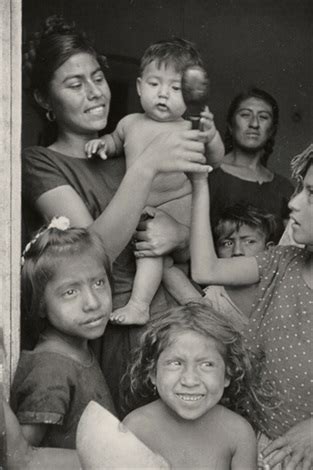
192 361
65 281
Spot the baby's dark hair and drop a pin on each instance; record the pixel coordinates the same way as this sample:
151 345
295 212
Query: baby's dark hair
50 47
231 218
246 387
176 52
41 258
234 105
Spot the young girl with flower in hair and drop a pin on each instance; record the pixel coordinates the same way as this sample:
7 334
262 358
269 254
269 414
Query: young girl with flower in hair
65 281
194 363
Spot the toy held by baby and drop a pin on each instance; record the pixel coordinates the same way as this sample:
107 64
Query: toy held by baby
195 91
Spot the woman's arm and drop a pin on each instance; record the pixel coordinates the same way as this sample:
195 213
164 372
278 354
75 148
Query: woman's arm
206 267
294 448
158 234
179 151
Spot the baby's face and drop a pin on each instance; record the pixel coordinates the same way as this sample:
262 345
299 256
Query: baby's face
190 374
160 93
247 241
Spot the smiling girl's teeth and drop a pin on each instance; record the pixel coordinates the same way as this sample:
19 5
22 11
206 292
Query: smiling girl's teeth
188 397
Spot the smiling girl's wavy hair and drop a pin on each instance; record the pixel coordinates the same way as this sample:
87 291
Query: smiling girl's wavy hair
247 393
41 258
234 105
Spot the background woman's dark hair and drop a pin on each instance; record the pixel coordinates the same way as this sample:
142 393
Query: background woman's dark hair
234 105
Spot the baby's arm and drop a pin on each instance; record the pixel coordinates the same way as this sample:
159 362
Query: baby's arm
214 148
178 284
110 145
206 267
245 455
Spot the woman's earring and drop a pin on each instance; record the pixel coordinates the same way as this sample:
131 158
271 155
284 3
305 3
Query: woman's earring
50 115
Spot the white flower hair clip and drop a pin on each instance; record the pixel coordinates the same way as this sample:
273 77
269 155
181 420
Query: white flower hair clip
60 223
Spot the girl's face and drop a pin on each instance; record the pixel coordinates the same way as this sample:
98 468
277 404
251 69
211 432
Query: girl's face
79 96
190 374
78 299
301 206
252 124
160 93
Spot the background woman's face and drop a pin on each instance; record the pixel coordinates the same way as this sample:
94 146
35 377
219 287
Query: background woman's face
252 124
79 95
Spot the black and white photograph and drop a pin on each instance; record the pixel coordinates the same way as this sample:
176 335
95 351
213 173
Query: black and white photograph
156 290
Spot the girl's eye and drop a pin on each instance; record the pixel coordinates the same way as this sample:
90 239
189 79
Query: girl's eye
100 283
70 293
250 242
153 83
207 364
176 88
174 364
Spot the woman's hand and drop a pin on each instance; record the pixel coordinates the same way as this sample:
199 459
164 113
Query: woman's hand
294 449
175 151
158 234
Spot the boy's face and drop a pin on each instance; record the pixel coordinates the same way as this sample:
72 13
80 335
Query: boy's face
160 93
247 241
190 374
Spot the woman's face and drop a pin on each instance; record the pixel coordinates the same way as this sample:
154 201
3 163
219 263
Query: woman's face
252 124
79 96
301 206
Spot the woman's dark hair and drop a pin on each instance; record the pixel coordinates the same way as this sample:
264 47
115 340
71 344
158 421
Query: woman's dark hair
234 105
49 48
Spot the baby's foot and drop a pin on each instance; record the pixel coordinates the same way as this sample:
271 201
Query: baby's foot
135 312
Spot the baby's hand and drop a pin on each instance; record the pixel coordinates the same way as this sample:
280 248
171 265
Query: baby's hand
96 146
207 125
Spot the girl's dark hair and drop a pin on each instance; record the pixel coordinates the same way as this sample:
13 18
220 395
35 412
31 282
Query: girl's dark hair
40 263
177 52
247 391
234 105
49 48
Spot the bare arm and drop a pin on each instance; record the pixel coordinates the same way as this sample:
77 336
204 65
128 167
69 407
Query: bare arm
206 267
34 433
118 221
178 284
214 147
245 455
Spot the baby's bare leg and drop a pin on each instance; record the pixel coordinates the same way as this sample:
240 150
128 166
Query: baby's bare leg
178 284
147 280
